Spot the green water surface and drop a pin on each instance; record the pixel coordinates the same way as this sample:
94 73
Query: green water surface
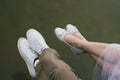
98 20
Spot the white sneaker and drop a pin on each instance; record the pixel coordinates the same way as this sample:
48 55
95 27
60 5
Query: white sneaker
28 55
72 29
60 35
36 41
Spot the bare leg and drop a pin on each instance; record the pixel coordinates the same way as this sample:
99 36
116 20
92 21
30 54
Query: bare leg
106 55
79 36
95 49
91 47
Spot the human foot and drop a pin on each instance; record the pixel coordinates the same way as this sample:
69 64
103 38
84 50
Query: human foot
75 32
61 33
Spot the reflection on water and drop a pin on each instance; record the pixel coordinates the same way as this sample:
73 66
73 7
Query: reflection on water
98 20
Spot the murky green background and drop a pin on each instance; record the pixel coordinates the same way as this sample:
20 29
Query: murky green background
98 20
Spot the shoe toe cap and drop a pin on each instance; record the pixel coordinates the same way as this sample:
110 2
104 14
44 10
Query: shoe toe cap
70 28
59 32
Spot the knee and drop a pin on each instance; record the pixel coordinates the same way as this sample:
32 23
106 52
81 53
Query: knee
48 54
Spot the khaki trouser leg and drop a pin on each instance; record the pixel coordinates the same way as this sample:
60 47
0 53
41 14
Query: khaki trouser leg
51 67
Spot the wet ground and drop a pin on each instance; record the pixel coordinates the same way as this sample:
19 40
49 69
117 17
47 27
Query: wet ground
98 20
